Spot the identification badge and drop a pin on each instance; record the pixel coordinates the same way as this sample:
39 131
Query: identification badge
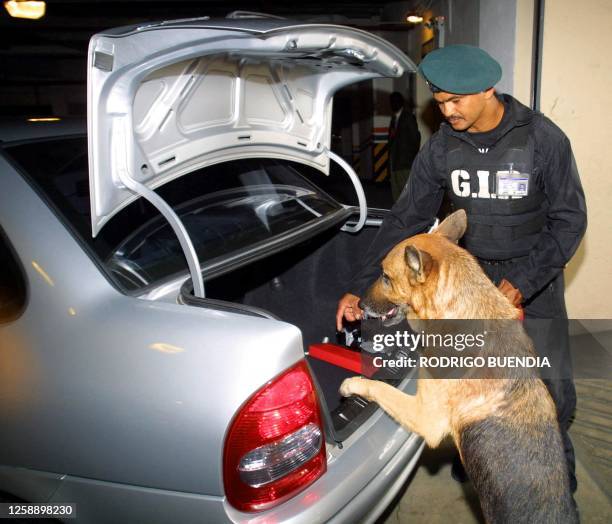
512 184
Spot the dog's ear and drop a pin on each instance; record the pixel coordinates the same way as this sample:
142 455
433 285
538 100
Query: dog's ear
419 262
453 226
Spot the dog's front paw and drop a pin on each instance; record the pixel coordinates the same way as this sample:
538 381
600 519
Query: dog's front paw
354 386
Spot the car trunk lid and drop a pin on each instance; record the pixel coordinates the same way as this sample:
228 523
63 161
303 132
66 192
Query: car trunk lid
166 99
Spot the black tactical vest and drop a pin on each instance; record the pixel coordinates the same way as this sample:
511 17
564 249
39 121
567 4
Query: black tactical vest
500 192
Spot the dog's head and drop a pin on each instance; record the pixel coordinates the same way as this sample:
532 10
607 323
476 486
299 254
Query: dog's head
410 273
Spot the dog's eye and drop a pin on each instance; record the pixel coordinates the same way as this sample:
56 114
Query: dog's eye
385 279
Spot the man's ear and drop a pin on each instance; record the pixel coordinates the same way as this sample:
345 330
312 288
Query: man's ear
453 226
489 93
419 263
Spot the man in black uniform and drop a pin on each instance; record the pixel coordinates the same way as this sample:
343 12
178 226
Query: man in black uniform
404 143
514 173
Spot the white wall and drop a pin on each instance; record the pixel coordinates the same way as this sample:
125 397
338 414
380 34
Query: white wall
576 87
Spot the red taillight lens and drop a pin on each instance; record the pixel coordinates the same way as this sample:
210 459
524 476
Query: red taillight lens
275 446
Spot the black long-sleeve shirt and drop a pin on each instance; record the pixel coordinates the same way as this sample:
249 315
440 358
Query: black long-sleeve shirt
419 203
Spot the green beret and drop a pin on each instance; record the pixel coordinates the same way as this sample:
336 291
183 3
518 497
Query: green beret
460 69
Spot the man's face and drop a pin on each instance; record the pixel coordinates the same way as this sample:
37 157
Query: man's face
396 103
462 111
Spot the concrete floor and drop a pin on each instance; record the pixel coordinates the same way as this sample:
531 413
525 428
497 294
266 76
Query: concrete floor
431 496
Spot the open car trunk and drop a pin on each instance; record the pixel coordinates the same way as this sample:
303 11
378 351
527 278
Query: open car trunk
169 99
301 285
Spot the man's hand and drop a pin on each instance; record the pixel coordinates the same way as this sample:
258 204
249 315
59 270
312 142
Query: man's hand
348 307
512 294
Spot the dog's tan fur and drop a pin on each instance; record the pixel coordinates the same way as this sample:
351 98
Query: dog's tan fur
436 279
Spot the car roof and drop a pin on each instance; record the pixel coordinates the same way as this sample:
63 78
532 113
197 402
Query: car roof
28 128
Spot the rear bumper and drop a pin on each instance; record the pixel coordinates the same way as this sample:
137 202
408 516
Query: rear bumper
380 491
361 479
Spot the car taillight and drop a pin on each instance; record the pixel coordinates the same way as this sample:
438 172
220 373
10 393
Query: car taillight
275 446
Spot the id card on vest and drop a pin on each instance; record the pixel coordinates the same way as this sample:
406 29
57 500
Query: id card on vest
513 184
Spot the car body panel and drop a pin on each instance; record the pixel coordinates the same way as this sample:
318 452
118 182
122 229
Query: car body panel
146 371
164 100
29 484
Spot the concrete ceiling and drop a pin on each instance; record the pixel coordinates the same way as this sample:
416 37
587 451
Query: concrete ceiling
51 52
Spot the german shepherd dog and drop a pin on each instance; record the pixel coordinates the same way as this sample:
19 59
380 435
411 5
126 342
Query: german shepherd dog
504 426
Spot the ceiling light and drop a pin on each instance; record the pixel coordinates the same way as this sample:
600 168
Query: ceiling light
25 9
414 19
44 119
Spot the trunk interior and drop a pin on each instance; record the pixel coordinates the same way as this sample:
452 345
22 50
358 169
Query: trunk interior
301 285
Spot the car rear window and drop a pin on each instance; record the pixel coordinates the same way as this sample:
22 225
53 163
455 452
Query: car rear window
225 208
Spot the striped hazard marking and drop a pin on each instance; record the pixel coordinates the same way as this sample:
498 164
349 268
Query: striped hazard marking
380 153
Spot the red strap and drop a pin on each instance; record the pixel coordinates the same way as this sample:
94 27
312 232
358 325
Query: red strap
344 358
336 355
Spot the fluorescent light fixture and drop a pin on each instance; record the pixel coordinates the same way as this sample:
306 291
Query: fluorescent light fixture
45 119
25 9
414 19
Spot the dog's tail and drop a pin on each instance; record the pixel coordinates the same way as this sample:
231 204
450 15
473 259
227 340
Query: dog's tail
519 472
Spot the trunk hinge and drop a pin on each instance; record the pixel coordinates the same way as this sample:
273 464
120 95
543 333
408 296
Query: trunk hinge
361 198
177 226
164 208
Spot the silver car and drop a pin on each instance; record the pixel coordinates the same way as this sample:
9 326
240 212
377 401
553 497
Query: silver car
163 275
